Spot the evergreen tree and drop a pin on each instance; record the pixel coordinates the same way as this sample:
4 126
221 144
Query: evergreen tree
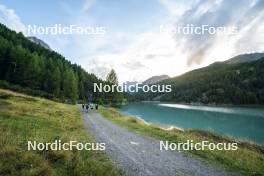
70 86
112 77
114 98
56 80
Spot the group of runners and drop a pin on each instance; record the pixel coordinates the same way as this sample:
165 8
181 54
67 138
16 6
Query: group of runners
87 107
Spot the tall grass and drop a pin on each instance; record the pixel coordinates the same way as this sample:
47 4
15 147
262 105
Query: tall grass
24 118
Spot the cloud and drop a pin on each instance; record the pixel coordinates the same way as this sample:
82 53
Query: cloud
177 8
148 54
9 18
133 65
152 56
87 5
155 53
197 56
247 16
101 70
140 55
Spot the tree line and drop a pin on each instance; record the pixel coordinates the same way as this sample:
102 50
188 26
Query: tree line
31 66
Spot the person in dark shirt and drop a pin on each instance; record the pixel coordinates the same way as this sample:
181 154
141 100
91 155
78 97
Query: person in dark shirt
96 106
87 107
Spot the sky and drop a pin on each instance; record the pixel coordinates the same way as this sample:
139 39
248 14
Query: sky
140 39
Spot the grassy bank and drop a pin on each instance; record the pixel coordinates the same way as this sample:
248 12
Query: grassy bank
24 118
247 160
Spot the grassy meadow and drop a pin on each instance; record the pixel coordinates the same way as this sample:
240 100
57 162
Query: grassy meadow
24 118
247 160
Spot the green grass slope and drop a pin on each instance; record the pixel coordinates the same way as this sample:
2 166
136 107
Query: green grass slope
24 118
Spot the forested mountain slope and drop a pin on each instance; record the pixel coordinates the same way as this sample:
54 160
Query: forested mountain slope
32 66
218 83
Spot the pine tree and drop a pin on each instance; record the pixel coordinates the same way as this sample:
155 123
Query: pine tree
112 77
70 86
56 79
115 98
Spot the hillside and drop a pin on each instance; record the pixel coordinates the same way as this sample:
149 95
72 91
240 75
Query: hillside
218 83
24 118
245 58
155 79
36 68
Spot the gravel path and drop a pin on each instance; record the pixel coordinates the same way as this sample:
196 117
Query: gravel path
141 156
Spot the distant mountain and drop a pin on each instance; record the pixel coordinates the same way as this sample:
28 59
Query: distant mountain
245 58
129 83
155 79
38 41
241 82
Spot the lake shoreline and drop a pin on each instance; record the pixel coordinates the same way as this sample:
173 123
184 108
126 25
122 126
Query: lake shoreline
174 127
250 155
222 120
162 126
203 104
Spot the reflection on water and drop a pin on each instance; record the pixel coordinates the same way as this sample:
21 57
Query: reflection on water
242 122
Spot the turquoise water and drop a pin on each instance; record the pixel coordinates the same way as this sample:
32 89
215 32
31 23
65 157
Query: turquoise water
239 122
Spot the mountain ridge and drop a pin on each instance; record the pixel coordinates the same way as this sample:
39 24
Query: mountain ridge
248 57
38 41
155 79
239 83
